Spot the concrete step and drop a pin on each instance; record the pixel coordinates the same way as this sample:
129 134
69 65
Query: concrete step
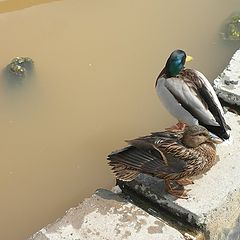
109 216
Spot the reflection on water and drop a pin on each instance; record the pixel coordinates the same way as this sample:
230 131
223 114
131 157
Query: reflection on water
96 64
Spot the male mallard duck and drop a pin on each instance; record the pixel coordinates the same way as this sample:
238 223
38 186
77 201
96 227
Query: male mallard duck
171 156
188 96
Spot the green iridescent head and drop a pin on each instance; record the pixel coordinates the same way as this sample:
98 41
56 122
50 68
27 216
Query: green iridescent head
176 62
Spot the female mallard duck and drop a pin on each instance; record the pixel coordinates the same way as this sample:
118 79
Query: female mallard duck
171 156
188 96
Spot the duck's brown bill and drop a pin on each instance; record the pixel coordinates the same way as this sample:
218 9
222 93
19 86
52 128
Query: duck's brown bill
216 140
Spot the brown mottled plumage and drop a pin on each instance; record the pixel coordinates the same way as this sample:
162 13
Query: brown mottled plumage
167 155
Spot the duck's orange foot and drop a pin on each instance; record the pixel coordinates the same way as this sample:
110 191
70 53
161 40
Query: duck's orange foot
178 127
181 193
185 181
176 191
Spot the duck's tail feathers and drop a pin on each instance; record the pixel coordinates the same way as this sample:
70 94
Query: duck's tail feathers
218 131
129 162
123 172
125 163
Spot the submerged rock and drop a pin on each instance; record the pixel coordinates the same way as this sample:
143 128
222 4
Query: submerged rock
232 28
20 69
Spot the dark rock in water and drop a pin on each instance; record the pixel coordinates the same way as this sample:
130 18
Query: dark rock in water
231 31
20 69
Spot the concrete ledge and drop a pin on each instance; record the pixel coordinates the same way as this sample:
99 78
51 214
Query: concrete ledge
108 216
213 204
227 85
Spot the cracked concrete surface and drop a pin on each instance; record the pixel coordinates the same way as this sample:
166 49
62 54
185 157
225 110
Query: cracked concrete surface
107 216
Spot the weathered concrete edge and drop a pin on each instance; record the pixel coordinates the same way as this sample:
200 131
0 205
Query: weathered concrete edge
227 84
107 215
228 214
165 202
155 209
228 97
203 222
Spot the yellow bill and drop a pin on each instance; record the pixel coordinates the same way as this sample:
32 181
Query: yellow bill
189 58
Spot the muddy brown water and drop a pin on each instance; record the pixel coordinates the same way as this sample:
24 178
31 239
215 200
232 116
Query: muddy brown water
96 64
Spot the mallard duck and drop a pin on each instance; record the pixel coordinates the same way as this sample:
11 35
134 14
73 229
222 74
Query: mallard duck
189 97
172 156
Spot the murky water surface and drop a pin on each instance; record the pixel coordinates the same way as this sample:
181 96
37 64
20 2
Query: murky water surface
96 64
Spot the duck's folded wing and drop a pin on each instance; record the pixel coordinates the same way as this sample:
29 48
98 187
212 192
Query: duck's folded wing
208 94
188 95
140 157
137 157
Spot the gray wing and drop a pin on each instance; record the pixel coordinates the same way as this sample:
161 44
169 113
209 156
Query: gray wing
189 97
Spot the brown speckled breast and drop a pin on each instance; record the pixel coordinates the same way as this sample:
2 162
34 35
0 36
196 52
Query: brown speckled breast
197 160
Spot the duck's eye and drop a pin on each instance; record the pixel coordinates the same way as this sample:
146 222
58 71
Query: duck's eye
202 134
